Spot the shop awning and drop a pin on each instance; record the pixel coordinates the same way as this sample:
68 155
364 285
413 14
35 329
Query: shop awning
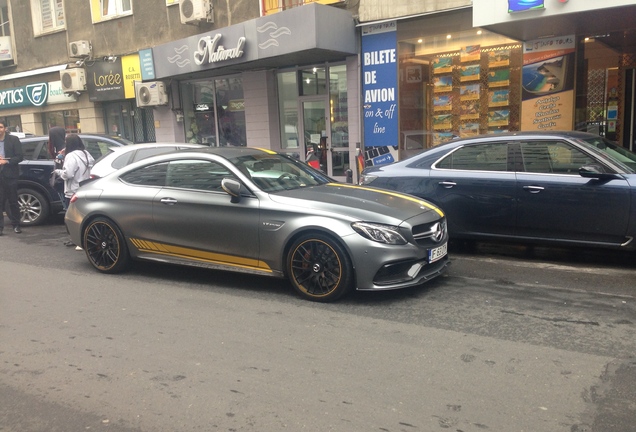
33 72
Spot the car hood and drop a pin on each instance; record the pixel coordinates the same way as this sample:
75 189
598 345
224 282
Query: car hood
360 202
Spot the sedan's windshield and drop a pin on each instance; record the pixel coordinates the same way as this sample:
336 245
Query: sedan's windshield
617 152
275 172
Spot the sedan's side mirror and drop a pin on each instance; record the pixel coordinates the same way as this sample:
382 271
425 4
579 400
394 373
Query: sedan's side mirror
596 172
233 188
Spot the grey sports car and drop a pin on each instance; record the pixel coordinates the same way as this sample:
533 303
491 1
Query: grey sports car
254 210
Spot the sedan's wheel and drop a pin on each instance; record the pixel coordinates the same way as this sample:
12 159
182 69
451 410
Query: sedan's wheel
105 246
34 208
319 268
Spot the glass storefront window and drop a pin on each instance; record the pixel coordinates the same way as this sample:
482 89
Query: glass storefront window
68 119
455 80
288 109
205 102
13 123
313 82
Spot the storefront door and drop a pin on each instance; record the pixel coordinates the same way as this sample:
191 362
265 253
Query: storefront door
324 150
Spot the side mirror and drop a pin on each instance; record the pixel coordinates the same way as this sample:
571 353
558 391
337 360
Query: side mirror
233 188
596 172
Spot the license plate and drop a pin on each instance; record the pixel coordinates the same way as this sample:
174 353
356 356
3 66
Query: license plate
437 253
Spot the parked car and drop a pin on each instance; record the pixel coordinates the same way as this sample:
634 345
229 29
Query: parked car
257 211
37 199
552 187
119 156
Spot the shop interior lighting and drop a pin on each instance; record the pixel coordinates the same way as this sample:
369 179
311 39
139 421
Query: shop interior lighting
448 36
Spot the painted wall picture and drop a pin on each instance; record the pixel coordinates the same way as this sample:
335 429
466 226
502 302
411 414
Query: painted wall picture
442 103
498 98
442 121
442 137
442 83
442 65
499 78
469 110
499 58
469 129
469 92
470 53
469 73
498 118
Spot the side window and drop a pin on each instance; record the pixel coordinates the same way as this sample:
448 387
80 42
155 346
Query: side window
196 174
479 157
102 10
48 16
96 148
122 161
151 175
29 148
147 152
553 157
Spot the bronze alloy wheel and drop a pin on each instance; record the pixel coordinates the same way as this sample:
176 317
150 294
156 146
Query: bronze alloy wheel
319 268
105 246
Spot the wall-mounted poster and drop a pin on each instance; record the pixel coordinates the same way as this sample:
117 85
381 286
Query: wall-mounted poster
498 98
499 58
413 74
442 65
469 92
469 110
442 103
498 118
442 121
468 129
469 73
499 78
470 53
524 5
547 84
442 83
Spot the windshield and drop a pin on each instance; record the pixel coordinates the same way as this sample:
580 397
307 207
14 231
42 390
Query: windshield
617 152
276 172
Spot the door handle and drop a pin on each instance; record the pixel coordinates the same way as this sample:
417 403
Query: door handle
447 184
533 189
168 201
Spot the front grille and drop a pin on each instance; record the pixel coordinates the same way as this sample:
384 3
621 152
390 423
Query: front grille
430 234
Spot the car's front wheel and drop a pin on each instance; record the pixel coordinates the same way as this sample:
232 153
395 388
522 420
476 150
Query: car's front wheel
105 246
34 208
319 268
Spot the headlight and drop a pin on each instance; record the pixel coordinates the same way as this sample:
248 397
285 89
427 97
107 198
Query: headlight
366 179
381 233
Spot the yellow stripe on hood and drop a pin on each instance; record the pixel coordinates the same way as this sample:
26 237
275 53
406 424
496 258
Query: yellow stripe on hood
393 194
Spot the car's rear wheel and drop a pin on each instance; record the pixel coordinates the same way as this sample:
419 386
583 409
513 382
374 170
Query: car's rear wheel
34 208
319 268
105 246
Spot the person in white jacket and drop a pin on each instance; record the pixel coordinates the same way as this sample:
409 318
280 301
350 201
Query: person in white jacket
77 167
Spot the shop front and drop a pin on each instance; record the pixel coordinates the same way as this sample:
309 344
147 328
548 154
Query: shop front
598 63
284 82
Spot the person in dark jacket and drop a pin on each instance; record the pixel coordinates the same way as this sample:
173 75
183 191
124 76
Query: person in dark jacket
56 144
10 157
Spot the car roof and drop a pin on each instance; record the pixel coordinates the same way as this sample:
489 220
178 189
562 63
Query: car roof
232 152
137 146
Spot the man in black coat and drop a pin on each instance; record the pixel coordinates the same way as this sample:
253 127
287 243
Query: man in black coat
10 157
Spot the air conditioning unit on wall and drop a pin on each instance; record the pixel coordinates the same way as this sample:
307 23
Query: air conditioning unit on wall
73 80
80 49
151 93
195 11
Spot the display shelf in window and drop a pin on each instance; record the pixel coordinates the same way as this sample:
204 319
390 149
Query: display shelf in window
498 58
470 53
469 110
468 129
442 121
469 92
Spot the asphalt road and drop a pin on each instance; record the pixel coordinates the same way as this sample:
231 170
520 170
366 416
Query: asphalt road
512 338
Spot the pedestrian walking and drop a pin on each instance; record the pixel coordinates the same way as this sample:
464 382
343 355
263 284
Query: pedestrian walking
10 157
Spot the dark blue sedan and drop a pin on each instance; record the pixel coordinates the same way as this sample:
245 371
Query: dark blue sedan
570 188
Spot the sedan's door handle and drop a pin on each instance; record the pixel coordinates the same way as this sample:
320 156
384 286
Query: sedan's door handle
168 201
447 184
533 189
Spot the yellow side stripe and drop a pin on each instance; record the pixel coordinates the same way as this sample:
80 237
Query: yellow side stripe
265 150
394 194
195 254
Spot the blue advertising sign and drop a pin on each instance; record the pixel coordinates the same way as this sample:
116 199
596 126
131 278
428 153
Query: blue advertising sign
379 91
524 5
